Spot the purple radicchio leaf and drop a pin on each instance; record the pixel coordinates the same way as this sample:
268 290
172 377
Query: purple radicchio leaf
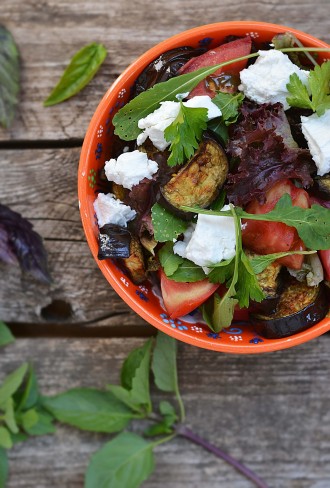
266 153
20 243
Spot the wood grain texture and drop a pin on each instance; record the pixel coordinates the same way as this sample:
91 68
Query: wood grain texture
49 33
41 185
269 411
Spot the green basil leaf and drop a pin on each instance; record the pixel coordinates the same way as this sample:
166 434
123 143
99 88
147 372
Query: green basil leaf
124 396
19 437
9 417
166 225
82 68
9 77
164 363
5 438
160 428
167 409
124 462
140 390
6 337
131 365
29 419
43 426
4 468
28 398
165 425
89 409
11 383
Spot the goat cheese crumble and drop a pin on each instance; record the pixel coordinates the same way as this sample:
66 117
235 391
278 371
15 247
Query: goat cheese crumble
130 168
265 81
317 134
155 123
110 210
209 241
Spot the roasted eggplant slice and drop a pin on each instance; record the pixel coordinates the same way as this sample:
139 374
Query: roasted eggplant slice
300 306
322 186
271 282
199 181
114 242
134 264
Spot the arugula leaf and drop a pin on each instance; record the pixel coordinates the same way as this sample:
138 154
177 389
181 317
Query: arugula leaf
11 383
312 223
185 133
9 77
259 263
164 367
229 105
125 461
81 69
6 337
4 468
166 225
318 82
5 438
89 409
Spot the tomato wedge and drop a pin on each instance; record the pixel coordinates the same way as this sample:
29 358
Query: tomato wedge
271 237
221 54
182 298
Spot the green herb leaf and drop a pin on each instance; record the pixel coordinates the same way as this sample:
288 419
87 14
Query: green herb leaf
29 419
185 133
229 105
89 409
177 268
82 68
166 225
165 425
217 312
28 398
5 438
44 424
248 287
4 468
125 461
6 337
9 416
260 263
9 77
164 367
11 383
218 127
219 202
318 82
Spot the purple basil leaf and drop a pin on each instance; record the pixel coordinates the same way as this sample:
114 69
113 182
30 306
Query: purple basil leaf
19 242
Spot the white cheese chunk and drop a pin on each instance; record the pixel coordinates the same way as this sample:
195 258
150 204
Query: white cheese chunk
265 81
110 210
130 168
155 123
317 134
210 241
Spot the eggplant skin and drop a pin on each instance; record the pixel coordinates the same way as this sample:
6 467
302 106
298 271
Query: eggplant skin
114 242
199 181
134 264
299 307
322 187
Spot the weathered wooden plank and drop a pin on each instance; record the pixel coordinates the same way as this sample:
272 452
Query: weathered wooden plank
49 33
270 411
41 185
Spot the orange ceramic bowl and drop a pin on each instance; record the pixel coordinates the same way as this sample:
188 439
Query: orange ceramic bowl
240 338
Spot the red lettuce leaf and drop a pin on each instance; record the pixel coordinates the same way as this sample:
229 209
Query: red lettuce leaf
20 243
262 144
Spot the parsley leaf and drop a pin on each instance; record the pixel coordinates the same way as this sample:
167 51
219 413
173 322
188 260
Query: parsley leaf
229 105
318 86
185 133
166 225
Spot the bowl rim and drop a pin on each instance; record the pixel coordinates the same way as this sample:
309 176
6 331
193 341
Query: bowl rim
134 69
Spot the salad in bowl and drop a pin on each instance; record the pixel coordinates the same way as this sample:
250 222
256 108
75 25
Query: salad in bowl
204 185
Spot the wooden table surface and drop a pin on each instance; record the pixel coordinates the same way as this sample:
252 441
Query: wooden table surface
271 411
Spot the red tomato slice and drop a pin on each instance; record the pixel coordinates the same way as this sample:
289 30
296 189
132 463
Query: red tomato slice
221 54
270 237
325 258
182 298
